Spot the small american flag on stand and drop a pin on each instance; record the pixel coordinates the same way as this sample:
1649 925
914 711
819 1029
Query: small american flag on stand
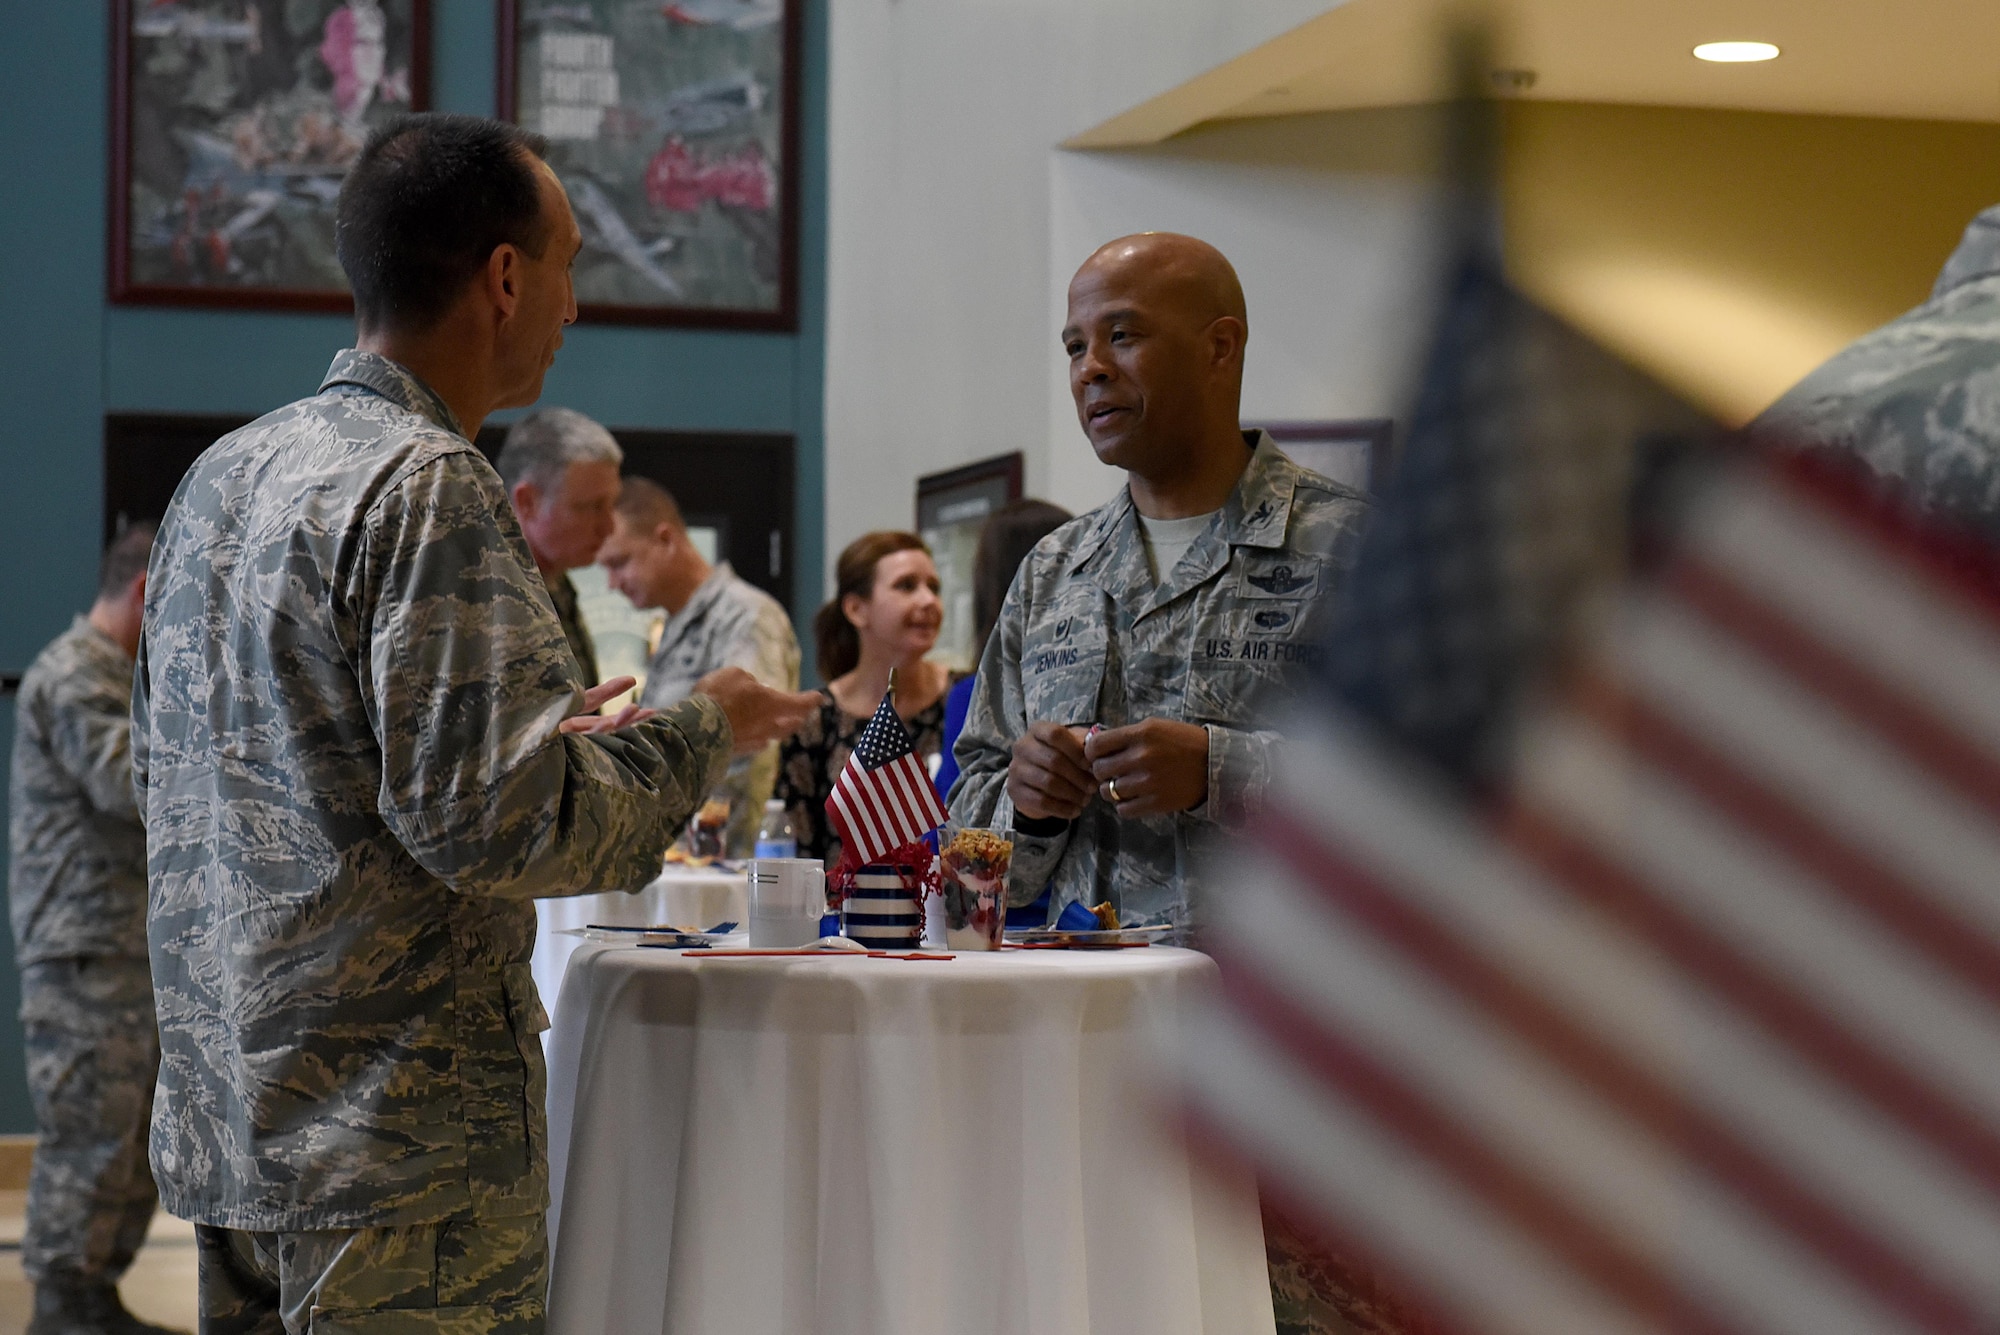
884 800
1621 953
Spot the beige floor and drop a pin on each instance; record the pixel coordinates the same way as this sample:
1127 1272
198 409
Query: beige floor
159 1287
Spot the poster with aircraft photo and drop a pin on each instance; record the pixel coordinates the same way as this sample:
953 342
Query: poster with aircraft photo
234 123
674 126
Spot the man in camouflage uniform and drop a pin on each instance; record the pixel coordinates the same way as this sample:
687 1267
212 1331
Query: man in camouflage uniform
715 619
77 891
1918 399
1124 700
561 473
361 746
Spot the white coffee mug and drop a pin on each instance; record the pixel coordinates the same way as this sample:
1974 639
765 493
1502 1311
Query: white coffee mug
787 900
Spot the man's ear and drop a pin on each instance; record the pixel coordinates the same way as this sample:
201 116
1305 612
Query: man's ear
136 591
503 279
527 498
1226 337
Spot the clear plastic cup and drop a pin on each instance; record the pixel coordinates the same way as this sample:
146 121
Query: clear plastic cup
973 866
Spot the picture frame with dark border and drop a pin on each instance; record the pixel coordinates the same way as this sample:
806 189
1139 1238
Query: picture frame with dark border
952 509
226 199
683 174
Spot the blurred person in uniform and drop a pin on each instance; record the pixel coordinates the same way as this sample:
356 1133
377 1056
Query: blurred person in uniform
76 888
715 619
560 469
882 620
361 746
1918 400
1125 700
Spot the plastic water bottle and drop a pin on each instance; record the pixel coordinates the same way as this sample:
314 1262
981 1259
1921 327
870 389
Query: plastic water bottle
775 837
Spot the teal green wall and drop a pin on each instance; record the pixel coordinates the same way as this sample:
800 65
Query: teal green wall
67 357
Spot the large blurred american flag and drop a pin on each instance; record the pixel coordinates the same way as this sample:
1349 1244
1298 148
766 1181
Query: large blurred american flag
1621 953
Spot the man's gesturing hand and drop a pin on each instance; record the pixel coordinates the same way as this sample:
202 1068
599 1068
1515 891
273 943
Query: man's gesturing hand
757 714
1152 768
1049 778
593 697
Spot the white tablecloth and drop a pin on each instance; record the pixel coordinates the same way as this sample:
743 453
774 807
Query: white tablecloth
882 1147
691 898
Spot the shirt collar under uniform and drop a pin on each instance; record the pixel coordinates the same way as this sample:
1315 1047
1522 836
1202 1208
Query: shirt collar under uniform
394 382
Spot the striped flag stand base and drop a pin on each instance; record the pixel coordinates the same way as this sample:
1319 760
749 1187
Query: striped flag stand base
881 910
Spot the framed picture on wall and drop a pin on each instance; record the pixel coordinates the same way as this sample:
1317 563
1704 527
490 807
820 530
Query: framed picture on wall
233 123
675 128
952 509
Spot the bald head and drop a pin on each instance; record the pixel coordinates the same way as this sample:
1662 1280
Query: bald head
1185 271
1155 339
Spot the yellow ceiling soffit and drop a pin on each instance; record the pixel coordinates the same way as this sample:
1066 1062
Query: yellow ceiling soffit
1288 56
1414 31
1918 59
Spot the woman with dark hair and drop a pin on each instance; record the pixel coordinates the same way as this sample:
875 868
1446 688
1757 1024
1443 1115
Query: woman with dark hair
1011 532
884 616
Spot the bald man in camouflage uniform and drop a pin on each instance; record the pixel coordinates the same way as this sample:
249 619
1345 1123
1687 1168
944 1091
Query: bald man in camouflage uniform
1172 620
1919 399
361 747
77 891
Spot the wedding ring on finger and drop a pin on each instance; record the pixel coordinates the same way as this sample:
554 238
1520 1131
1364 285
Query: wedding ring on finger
1111 790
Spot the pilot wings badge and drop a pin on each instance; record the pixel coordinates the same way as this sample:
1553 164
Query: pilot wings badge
1281 576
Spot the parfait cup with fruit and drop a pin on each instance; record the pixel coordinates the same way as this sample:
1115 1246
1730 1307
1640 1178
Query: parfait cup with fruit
973 868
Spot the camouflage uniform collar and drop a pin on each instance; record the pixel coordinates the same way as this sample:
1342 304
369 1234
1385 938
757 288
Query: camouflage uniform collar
393 381
1977 256
1258 511
1255 515
720 576
86 631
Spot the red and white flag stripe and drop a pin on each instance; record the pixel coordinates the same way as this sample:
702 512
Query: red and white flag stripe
884 809
1699 1028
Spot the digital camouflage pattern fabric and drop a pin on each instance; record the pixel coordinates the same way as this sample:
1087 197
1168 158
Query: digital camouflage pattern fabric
76 884
1919 398
1087 636
482 1277
729 622
92 1054
562 594
346 749
77 892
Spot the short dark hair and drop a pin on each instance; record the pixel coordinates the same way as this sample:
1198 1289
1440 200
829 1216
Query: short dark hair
427 202
1011 532
125 559
646 504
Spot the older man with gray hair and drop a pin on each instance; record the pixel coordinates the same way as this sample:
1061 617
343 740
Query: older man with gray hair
561 473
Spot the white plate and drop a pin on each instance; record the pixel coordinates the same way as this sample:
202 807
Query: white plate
657 935
1099 939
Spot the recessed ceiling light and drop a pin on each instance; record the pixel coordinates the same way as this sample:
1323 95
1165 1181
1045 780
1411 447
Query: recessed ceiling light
1735 53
